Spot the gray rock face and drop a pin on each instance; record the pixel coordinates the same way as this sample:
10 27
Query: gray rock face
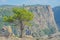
43 23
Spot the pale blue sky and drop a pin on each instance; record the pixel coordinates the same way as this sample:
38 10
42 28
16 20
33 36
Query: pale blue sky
53 3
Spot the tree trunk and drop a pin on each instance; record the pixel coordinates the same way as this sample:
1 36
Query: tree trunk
21 28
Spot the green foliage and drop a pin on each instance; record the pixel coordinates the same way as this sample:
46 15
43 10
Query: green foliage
19 14
22 14
8 19
28 23
49 31
5 18
53 30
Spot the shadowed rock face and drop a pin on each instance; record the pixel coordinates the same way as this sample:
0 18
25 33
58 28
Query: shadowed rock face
57 15
43 22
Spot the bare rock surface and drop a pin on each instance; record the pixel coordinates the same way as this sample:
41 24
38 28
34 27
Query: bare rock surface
52 37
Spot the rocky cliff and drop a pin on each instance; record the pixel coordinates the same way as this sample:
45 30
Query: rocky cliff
43 23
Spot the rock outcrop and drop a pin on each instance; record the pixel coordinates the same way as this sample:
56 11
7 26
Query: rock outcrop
43 23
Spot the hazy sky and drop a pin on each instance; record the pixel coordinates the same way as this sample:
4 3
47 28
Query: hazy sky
53 3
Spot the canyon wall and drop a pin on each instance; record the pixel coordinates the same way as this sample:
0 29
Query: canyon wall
42 24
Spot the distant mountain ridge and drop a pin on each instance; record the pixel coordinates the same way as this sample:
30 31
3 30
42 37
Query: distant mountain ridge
57 15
